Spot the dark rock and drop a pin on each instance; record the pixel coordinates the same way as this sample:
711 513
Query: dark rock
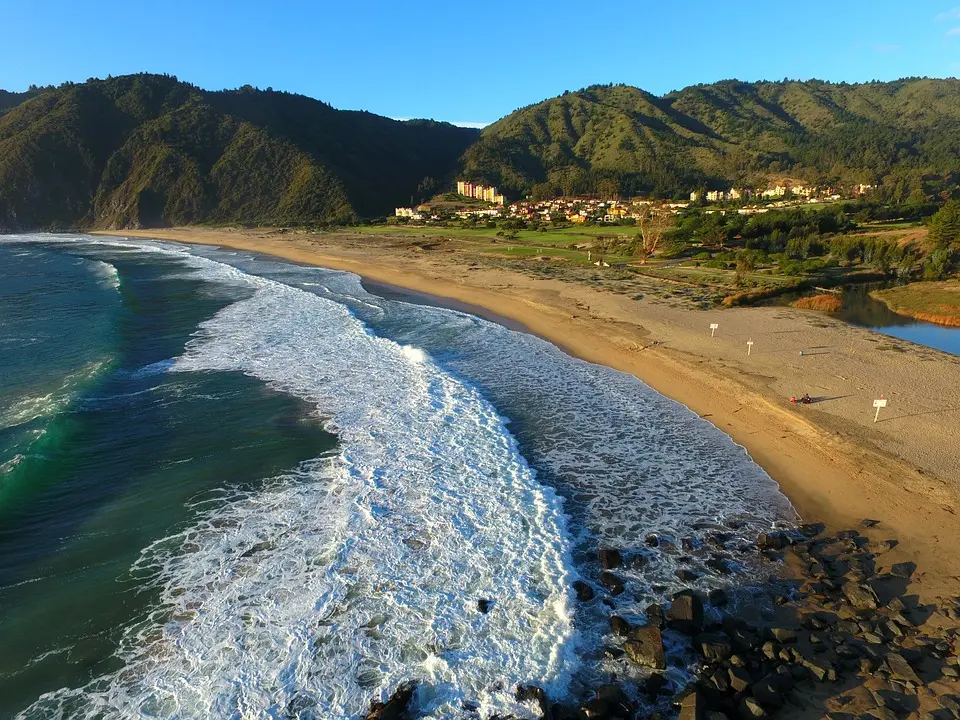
950 704
686 575
720 680
869 523
719 564
610 558
653 685
862 597
900 669
652 541
718 597
772 541
618 704
645 647
583 590
740 679
713 646
821 669
532 693
770 650
691 704
688 544
886 545
612 582
686 613
769 691
811 530
594 709
751 708
619 626
484 605
655 616
903 570
783 635
395 708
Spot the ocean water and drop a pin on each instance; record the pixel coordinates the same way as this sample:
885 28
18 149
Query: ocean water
236 487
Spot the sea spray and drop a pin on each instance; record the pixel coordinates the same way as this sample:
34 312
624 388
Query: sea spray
333 585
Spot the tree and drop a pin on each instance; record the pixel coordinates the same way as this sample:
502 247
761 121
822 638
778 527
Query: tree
653 224
945 226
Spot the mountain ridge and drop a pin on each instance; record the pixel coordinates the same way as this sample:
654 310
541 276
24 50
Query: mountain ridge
149 150
729 132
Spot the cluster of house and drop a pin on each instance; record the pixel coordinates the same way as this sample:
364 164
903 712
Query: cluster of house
480 192
810 193
583 210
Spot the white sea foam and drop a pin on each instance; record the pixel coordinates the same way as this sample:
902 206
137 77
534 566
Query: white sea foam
333 585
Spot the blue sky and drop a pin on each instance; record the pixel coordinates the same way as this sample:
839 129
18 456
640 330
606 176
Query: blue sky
473 61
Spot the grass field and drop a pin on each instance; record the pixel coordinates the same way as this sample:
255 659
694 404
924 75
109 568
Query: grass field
937 302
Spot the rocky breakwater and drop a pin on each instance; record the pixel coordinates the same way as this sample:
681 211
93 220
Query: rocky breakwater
837 633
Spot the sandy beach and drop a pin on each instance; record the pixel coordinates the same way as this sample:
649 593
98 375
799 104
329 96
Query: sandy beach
834 463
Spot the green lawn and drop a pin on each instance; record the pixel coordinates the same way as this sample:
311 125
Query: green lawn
550 237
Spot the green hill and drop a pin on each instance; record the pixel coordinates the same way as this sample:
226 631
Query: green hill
618 138
147 151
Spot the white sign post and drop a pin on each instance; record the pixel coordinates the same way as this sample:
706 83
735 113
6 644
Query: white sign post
713 328
749 346
881 403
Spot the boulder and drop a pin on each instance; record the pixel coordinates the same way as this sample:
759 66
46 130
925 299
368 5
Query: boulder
740 679
618 704
395 708
713 646
900 669
645 647
718 597
610 558
532 693
686 613
861 596
772 541
612 582
583 590
619 626
691 704
770 690
655 616
751 708
484 605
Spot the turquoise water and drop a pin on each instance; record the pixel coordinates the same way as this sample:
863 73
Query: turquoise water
236 487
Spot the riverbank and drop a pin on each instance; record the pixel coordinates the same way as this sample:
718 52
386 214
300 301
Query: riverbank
830 459
933 302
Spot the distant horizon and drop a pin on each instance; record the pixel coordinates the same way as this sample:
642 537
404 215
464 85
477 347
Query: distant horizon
461 63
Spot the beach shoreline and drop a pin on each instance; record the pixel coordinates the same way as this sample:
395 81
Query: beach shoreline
828 460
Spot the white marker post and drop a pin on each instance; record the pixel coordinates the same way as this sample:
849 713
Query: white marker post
713 328
749 346
881 403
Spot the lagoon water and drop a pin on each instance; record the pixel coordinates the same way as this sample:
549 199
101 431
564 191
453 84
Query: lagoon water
236 487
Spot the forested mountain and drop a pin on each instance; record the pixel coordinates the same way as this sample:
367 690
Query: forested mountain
617 138
147 150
